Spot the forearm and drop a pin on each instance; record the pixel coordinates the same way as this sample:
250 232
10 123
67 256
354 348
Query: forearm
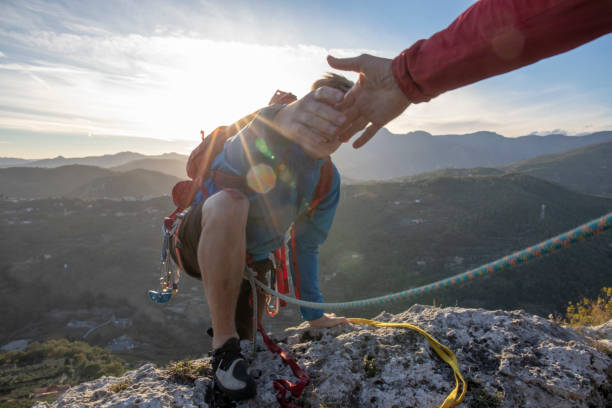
496 36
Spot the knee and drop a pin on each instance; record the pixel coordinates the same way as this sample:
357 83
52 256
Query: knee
226 207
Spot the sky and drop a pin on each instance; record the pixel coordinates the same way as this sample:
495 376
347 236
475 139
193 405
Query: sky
82 78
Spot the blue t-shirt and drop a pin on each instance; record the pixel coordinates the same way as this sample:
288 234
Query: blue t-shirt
284 179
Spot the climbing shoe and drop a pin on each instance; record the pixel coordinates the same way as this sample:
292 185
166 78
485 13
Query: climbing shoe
231 371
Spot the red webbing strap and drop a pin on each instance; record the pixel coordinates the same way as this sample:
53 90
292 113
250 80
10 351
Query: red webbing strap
282 280
296 269
282 385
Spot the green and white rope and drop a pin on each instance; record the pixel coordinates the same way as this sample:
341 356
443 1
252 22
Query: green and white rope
584 231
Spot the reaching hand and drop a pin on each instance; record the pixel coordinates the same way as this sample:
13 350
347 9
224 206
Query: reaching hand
374 99
327 320
312 122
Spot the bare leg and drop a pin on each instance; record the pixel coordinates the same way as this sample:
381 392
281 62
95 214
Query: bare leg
221 256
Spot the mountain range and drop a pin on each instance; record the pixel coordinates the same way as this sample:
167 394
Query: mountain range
105 161
389 155
587 169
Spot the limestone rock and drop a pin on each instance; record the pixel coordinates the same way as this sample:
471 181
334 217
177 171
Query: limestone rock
510 359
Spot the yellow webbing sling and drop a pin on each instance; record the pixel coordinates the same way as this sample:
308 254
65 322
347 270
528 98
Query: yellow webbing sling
454 398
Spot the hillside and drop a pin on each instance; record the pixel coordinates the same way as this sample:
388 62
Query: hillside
51 367
174 167
587 169
72 260
134 184
23 182
396 235
82 182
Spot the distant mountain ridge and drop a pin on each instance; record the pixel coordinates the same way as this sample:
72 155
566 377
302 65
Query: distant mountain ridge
105 161
386 156
389 155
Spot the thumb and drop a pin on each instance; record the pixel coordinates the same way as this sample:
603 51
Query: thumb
345 64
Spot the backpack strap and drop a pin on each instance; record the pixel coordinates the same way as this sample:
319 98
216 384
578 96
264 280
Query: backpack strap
323 186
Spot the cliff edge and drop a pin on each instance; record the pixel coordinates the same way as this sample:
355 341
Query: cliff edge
508 358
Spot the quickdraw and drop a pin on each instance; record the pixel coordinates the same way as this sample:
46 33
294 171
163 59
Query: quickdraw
170 273
279 282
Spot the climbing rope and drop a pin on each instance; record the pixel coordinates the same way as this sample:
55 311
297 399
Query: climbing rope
584 231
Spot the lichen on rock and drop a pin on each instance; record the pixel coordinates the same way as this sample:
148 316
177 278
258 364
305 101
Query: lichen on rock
510 359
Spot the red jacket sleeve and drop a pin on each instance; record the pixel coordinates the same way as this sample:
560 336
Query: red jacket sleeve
497 36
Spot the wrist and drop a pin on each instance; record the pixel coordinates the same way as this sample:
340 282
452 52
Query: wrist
403 80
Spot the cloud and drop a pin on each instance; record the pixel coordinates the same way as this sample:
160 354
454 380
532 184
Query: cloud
549 132
159 86
2 54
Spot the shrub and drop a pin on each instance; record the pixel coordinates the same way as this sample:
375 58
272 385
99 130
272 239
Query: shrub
589 312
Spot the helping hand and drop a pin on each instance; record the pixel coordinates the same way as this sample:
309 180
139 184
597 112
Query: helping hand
312 122
375 98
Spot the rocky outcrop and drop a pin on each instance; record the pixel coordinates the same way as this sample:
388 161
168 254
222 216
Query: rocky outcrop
510 359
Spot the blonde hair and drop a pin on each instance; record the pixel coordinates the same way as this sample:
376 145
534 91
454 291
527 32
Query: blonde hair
333 81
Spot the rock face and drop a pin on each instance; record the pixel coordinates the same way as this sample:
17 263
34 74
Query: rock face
510 359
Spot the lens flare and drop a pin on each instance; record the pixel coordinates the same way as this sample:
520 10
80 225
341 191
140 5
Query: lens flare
262 146
261 178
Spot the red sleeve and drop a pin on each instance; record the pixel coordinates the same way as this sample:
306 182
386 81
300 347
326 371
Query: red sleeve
497 36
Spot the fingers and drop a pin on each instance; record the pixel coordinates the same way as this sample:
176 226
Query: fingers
307 135
349 98
366 136
319 125
353 127
345 64
328 95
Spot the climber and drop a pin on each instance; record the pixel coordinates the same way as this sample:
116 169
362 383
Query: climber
265 179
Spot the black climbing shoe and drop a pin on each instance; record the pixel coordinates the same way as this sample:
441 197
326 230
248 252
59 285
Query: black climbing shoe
231 371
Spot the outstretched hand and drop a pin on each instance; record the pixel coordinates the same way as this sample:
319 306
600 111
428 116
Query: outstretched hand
327 320
375 99
312 122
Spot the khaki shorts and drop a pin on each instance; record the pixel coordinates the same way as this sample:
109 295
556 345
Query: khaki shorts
189 236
